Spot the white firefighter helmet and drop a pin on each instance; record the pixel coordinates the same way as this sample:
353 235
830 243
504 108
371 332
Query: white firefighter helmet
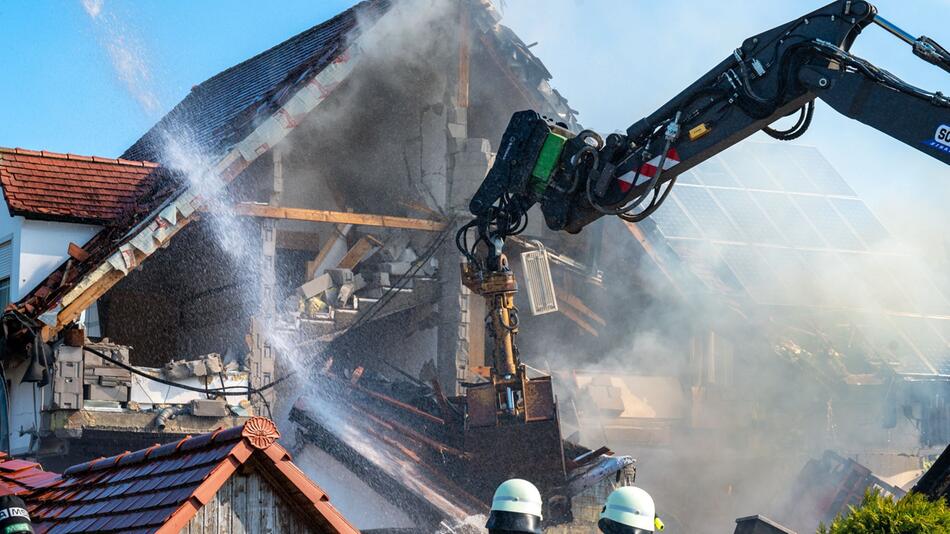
516 507
630 507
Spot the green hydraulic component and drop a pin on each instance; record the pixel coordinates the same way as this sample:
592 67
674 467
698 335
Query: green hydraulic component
547 161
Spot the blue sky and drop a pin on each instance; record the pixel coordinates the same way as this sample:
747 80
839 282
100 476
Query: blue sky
62 90
90 76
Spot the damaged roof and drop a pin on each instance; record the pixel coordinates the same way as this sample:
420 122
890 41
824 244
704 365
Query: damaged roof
222 111
72 188
235 117
392 451
407 442
215 112
160 489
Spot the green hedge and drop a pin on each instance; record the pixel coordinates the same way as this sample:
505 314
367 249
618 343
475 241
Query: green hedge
877 514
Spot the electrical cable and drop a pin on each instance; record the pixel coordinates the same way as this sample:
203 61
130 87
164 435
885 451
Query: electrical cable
390 293
223 391
384 300
245 390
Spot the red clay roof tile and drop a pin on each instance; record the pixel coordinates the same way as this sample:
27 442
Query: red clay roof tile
20 476
73 188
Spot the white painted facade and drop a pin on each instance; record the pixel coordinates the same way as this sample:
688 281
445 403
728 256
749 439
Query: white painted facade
43 246
37 249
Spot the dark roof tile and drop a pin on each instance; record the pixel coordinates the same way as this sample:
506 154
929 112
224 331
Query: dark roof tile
144 489
218 106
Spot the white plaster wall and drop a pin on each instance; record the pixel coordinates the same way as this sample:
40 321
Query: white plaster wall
42 248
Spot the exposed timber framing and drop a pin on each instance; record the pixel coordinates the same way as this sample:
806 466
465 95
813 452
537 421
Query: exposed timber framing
579 321
340 233
575 302
267 134
359 252
338 217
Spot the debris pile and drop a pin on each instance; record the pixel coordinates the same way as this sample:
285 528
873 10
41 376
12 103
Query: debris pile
369 280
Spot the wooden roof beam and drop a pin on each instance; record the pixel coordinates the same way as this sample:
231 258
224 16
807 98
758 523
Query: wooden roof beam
338 217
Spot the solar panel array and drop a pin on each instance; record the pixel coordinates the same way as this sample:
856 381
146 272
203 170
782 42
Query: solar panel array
777 223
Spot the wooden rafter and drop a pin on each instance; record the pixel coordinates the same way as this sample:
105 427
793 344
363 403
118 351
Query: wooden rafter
565 297
579 321
338 217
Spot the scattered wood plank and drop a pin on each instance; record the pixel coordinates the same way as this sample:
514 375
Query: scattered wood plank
575 302
363 249
73 309
312 266
579 321
420 208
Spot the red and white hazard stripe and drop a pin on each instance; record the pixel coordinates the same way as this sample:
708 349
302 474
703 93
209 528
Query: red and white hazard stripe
648 170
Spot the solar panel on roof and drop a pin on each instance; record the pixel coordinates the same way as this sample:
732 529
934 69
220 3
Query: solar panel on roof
860 218
753 272
799 236
708 215
917 284
704 262
820 172
930 346
827 222
879 283
673 222
788 219
747 169
786 173
712 172
747 215
890 345
792 272
687 178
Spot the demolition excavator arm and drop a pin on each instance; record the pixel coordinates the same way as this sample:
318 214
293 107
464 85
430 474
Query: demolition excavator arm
579 177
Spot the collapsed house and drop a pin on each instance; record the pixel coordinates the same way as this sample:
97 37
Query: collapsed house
300 223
